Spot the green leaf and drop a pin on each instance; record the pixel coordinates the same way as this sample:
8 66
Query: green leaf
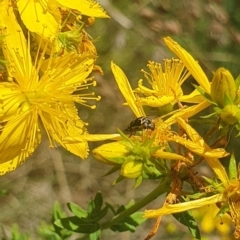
129 223
102 213
16 235
49 234
187 219
136 219
227 100
90 207
96 235
98 202
57 214
232 168
111 208
76 224
77 210
123 227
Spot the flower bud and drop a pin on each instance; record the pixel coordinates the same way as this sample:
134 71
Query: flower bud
230 114
132 168
111 153
223 85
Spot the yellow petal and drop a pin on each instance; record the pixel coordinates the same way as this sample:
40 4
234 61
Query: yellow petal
153 101
170 156
126 90
85 7
20 136
11 98
212 156
187 112
181 207
190 63
92 138
15 46
65 122
67 72
38 18
196 148
193 97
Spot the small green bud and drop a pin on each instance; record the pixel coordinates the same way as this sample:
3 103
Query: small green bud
132 168
111 153
223 85
230 114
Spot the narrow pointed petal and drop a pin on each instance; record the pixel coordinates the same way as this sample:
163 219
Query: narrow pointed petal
199 150
190 63
181 207
171 156
212 154
92 138
126 90
187 112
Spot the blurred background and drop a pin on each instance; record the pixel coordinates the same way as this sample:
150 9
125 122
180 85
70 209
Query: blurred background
209 30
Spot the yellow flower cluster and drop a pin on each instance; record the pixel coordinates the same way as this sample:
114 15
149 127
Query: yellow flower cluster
48 58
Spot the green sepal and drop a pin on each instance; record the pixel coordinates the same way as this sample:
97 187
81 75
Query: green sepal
210 115
138 181
205 94
119 179
113 169
237 83
227 100
232 168
223 210
214 184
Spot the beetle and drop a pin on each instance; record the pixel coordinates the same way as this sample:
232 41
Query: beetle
140 124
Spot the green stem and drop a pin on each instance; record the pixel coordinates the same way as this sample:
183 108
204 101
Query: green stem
159 190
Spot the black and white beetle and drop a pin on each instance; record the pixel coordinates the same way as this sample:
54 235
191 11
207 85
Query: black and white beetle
139 124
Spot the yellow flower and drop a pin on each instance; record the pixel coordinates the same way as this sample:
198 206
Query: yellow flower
39 95
201 148
166 81
227 195
44 18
